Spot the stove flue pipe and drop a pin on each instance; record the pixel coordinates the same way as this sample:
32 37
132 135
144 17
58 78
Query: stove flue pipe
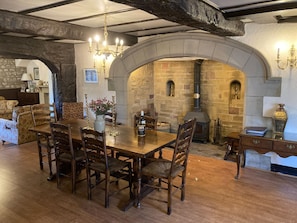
197 74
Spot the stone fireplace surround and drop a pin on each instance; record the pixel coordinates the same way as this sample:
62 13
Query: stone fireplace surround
201 45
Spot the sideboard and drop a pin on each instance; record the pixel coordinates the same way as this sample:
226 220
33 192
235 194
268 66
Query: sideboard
28 98
284 145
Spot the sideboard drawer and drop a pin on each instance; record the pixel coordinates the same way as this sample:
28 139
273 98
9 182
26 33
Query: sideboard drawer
286 146
256 142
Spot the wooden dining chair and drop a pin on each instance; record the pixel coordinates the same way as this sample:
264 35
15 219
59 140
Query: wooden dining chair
99 162
66 154
44 114
109 116
150 122
167 170
72 110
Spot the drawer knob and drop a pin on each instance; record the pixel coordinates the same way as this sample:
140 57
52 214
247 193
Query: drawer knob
256 141
290 146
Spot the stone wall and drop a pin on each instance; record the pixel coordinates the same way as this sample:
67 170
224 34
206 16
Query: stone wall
10 75
172 109
218 97
141 90
148 85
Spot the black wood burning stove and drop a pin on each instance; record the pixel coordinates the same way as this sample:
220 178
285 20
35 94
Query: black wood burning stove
202 119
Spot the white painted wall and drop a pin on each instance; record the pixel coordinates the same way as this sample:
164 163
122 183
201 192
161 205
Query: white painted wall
265 39
44 73
84 59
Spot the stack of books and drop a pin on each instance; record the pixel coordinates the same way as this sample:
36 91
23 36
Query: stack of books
255 130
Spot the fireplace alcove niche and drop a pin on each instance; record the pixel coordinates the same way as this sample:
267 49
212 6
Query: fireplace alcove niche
170 88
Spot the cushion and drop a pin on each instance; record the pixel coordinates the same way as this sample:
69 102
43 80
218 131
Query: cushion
2 98
12 103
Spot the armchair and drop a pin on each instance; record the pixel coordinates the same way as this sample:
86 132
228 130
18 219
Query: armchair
6 107
17 130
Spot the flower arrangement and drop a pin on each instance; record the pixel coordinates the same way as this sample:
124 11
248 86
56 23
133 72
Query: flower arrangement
100 106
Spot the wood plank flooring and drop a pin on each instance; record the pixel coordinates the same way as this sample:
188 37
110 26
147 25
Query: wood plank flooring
212 195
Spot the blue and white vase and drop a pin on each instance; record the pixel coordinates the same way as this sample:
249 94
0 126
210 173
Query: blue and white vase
99 124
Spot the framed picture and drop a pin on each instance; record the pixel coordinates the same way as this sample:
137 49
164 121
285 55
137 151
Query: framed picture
90 75
36 73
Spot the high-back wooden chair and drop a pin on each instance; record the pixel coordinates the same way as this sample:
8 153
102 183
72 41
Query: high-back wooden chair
66 153
109 116
44 114
150 122
167 170
72 110
99 162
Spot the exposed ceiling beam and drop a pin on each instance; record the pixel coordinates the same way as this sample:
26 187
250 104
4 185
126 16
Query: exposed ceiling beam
49 6
259 8
35 26
193 13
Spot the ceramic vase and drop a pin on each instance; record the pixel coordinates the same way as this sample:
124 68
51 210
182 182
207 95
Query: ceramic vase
99 124
279 119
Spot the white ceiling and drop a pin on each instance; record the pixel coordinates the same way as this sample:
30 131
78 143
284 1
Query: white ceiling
125 19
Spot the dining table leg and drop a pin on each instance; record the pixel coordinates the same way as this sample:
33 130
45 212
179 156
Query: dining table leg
138 182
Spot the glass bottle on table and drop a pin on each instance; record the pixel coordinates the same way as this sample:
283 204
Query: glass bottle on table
141 124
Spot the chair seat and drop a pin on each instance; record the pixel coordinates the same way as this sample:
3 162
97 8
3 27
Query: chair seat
66 157
114 165
161 168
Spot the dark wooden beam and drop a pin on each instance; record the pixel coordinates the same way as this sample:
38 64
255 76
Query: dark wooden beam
35 26
193 13
260 8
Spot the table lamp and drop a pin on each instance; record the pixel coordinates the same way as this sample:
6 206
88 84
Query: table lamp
26 77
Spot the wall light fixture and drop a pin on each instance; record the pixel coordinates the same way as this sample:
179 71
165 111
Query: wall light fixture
291 59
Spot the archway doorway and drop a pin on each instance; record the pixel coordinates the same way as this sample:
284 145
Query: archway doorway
58 57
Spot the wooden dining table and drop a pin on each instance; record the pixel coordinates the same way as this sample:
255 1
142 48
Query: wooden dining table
123 139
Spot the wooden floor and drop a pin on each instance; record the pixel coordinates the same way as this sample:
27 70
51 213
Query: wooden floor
212 195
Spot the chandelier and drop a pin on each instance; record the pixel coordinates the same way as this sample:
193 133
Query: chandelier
291 59
101 49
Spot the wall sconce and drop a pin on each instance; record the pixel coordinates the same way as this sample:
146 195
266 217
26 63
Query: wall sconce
291 60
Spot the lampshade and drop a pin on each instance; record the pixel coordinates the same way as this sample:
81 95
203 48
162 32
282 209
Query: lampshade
26 77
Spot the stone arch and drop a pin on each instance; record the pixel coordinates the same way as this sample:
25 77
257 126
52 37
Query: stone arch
208 46
59 57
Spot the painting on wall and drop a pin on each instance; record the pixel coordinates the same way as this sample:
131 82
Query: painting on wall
36 73
90 75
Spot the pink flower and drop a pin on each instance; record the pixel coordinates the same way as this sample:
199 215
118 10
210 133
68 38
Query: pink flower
100 106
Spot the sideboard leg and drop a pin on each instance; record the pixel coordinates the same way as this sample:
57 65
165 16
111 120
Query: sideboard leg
238 165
